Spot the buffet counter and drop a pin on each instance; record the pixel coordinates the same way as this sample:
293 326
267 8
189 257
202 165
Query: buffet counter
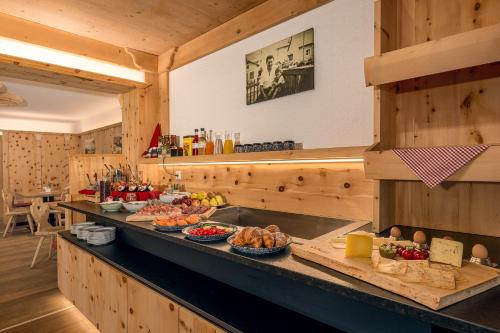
282 291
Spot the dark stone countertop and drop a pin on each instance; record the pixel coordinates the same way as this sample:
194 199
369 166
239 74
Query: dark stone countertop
313 290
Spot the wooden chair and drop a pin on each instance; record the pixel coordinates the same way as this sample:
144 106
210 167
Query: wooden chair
40 212
57 212
11 213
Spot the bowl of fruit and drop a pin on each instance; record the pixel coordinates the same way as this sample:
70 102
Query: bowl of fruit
209 231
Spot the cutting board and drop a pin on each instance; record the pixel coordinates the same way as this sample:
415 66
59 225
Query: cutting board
474 278
144 218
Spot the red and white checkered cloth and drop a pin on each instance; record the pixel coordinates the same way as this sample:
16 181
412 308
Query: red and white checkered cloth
435 164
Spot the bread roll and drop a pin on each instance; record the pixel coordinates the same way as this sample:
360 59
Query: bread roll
267 238
273 228
280 239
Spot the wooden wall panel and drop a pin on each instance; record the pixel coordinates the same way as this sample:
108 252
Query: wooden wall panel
82 164
104 138
455 108
34 159
335 190
140 115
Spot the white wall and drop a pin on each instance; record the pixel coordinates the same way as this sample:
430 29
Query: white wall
210 92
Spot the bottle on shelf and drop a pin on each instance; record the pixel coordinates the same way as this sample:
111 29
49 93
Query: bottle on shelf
180 149
228 144
173 146
219 146
196 140
237 139
202 142
209 148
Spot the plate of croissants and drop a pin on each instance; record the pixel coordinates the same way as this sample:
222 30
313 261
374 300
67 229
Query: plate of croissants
258 241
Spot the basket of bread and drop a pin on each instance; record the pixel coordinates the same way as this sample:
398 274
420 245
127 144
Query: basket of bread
257 241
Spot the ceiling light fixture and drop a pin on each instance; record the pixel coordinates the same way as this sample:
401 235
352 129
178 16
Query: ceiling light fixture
298 161
16 48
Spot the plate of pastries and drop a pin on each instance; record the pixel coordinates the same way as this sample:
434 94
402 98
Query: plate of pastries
258 241
175 223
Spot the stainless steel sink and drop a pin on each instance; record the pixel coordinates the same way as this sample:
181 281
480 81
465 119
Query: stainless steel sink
298 225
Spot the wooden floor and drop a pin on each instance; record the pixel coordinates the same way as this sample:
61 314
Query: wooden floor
29 299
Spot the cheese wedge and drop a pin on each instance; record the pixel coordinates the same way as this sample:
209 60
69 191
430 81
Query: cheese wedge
446 252
358 246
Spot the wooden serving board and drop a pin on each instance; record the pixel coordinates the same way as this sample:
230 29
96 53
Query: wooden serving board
474 278
144 218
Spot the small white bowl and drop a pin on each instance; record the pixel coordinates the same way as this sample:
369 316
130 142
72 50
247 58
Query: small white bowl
111 206
134 206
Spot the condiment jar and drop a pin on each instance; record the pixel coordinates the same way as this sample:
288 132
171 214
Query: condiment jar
289 145
267 146
277 145
257 147
248 148
238 148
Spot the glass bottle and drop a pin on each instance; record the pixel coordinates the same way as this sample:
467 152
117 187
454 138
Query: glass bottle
228 144
196 140
173 146
202 144
180 149
209 148
237 139
219 147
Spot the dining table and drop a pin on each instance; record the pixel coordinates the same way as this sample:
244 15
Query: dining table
47 196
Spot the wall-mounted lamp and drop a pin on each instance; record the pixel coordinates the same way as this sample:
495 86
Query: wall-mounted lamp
296 161
15 48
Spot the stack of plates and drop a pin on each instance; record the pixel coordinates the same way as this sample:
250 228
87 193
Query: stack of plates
75 227
101 235
83 232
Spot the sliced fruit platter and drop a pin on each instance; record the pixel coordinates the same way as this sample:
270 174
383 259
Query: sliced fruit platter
260 242
209 231
175 223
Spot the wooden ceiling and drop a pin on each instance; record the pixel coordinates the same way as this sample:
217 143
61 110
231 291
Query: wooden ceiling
153 26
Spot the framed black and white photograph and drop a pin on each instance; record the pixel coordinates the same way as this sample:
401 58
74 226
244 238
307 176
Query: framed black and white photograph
280 69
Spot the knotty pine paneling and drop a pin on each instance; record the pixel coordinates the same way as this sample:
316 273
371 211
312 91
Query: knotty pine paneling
31 160
335 190
455 108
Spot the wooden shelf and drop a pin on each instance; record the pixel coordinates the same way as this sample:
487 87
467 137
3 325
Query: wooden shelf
386 165
304 154
472 48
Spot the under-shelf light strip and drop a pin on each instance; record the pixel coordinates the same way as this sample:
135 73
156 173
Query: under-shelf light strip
298 161
16 48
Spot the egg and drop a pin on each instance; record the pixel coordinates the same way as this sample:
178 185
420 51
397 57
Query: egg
395 232
419 237
480 251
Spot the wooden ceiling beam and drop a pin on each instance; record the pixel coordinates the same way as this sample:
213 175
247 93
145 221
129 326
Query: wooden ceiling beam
34 33
257 19
8 99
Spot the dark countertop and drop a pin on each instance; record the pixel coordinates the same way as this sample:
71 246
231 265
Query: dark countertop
304 287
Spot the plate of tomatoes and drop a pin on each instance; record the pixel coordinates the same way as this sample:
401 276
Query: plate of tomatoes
209 231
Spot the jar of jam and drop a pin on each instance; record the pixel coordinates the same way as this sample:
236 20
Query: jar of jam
289 145
248 148
257 147
238 148
267 146
277 145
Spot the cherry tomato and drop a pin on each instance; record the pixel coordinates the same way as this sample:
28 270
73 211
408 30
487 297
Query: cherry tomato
408 254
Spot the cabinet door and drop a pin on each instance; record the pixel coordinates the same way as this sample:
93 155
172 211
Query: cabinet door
190 322
150 312
109 298
63 268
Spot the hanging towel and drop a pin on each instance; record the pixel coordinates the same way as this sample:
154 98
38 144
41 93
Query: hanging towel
433 165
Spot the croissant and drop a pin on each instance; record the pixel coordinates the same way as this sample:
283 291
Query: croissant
267 238
238 239
248 234
273 228
256 240
280 239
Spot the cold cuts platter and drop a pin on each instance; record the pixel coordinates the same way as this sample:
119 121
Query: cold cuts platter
151 212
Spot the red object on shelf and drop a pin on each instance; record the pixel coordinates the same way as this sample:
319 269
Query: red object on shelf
87 192
154 139
141 196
